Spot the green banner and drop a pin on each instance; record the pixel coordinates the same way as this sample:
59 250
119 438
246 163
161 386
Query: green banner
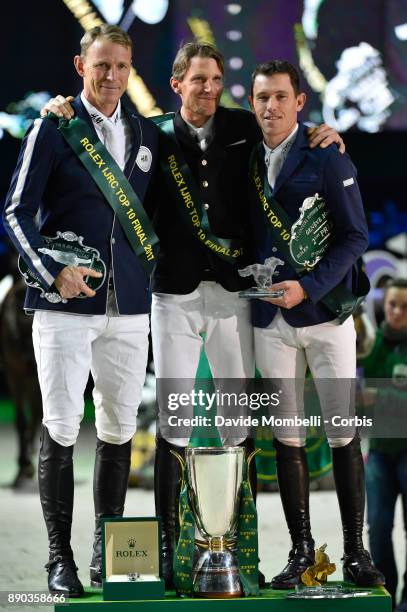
184 553
340 300
115 187
247 542
184 189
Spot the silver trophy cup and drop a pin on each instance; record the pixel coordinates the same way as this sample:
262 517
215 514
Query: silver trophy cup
215 476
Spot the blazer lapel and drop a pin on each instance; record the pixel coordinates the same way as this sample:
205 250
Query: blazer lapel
294 158
136 134
133 121
82 113
216 149
183 134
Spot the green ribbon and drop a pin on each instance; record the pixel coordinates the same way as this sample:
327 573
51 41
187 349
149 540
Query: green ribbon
185 191
115 187
340 300
184 552
247 542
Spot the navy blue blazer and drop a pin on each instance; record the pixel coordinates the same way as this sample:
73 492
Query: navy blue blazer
332 175
49 178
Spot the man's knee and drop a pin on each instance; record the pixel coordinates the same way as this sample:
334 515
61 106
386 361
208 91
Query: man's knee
297 442
119 436
63 432
339 442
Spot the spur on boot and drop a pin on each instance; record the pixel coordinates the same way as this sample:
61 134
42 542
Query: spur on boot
63 578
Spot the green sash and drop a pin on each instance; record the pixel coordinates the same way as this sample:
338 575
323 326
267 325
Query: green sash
115 187
340 300
185 191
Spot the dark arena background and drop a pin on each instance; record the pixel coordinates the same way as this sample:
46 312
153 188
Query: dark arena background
352 57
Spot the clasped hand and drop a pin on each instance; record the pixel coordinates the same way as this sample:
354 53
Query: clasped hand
293 294
70 283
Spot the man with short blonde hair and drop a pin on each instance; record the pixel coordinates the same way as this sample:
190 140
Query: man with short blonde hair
109 32
77 329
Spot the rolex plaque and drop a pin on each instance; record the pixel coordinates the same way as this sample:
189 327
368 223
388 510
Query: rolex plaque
66 248
263 277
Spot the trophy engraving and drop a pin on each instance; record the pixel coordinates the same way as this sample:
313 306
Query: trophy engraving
263 276
311 234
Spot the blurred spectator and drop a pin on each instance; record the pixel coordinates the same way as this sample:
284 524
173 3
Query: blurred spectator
386 470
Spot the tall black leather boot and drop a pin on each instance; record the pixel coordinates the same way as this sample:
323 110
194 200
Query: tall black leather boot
349 477
110 478
55 479
167 484
293 482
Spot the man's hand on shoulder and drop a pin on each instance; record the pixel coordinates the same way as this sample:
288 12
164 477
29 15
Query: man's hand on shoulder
322 136
60 106
293 294
70 283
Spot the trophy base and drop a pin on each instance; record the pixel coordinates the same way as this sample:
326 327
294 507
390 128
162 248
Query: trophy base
216 575
256 292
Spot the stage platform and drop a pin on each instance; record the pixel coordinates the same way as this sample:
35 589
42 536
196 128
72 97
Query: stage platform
268 601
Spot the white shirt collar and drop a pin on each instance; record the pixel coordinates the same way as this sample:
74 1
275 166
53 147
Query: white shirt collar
283 146
205 131
99 118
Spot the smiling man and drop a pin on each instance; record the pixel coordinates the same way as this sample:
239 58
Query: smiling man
196 282
310 325
201 218
77 329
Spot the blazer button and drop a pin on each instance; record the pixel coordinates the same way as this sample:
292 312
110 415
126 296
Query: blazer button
205 183
204 162
113 240
206 206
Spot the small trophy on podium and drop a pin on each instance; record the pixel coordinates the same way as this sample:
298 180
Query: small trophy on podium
263 276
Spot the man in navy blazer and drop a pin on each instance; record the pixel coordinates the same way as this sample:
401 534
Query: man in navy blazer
77 330
297 330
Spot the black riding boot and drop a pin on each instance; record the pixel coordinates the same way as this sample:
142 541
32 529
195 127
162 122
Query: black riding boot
167 484
293 482
349 477
111 475
55 479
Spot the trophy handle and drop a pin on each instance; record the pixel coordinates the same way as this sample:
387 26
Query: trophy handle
180 459
183 465
249 460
